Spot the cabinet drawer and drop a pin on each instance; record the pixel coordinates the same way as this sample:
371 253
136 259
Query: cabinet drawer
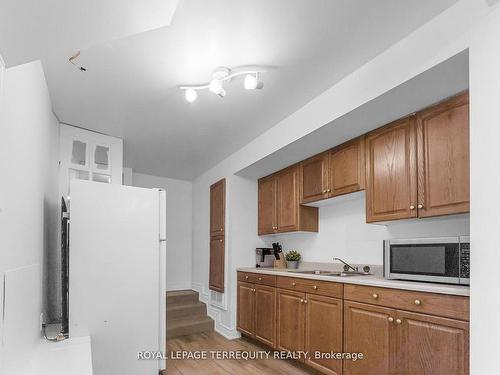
449 306
257 278
324 288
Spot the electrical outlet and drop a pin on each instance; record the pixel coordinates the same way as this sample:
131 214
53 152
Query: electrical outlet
41 322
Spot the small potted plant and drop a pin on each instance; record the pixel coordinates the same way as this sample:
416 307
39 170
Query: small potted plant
292 259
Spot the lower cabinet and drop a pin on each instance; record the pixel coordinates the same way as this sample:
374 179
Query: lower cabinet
430 345
323 319
369 330
257 312
396 342
311 323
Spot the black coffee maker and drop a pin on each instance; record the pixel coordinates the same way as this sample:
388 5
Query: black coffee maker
264 257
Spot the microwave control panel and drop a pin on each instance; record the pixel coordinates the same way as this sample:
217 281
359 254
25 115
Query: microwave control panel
464 260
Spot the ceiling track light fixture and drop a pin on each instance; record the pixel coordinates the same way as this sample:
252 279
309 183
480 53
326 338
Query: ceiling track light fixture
253 81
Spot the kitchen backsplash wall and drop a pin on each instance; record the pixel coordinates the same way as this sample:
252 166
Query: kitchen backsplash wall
344 233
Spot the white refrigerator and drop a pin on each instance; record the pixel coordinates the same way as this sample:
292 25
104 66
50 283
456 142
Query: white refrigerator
117 274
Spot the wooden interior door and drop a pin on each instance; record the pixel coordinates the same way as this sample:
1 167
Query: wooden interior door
429 345
324 332
443 158
217 208
288 199
347 168
369 330
216 272
314 184
265 314
291 319
246 308
391 176
267 206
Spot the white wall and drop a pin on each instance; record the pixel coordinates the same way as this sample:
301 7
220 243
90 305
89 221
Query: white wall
436 41
179 226
28 191
344 233
485 198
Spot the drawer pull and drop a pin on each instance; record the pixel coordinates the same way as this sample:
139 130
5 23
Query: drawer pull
390 319
399 321
293 284
375 295
315 287
246 277
418 302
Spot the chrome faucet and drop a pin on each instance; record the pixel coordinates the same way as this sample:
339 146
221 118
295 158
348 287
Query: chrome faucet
347 266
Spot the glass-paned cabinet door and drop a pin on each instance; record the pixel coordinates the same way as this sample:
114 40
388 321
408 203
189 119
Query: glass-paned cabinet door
101 166
79 153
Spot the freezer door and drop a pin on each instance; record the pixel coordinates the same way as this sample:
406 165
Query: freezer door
114 274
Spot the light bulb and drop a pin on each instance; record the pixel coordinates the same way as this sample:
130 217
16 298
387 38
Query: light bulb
251 82
215 86
191 95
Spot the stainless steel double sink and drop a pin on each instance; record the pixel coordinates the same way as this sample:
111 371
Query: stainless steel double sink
331 273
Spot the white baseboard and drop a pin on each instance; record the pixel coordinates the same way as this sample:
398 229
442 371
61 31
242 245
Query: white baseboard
215 313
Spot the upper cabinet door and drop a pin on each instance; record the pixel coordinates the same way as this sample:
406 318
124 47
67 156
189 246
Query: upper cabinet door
217 208
314 178
443 158
432 345
267 206
347 168
391 186
288 199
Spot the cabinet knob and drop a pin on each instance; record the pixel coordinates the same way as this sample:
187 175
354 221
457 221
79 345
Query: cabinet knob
221 229
390 319
305 301
325 191
418 302
260 278
220 240
293 284
254 290
399 321
246 277
301 300
375 295
412 207
420 206
315 287
328 190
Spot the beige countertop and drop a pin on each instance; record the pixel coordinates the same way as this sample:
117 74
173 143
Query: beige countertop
369 280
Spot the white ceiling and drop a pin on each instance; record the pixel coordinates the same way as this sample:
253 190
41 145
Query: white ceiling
135 63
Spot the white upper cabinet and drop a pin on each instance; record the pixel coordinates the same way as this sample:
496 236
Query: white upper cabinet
87 155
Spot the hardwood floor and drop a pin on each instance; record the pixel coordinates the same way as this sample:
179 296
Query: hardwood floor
212 341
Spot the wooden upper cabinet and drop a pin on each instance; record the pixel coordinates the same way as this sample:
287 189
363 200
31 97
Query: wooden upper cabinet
391 188
432 345
335 172
267 206
347 168
216 271
324 332
314 181
443 158
287 199
217 208
280 210
246 308
291 314
369 330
